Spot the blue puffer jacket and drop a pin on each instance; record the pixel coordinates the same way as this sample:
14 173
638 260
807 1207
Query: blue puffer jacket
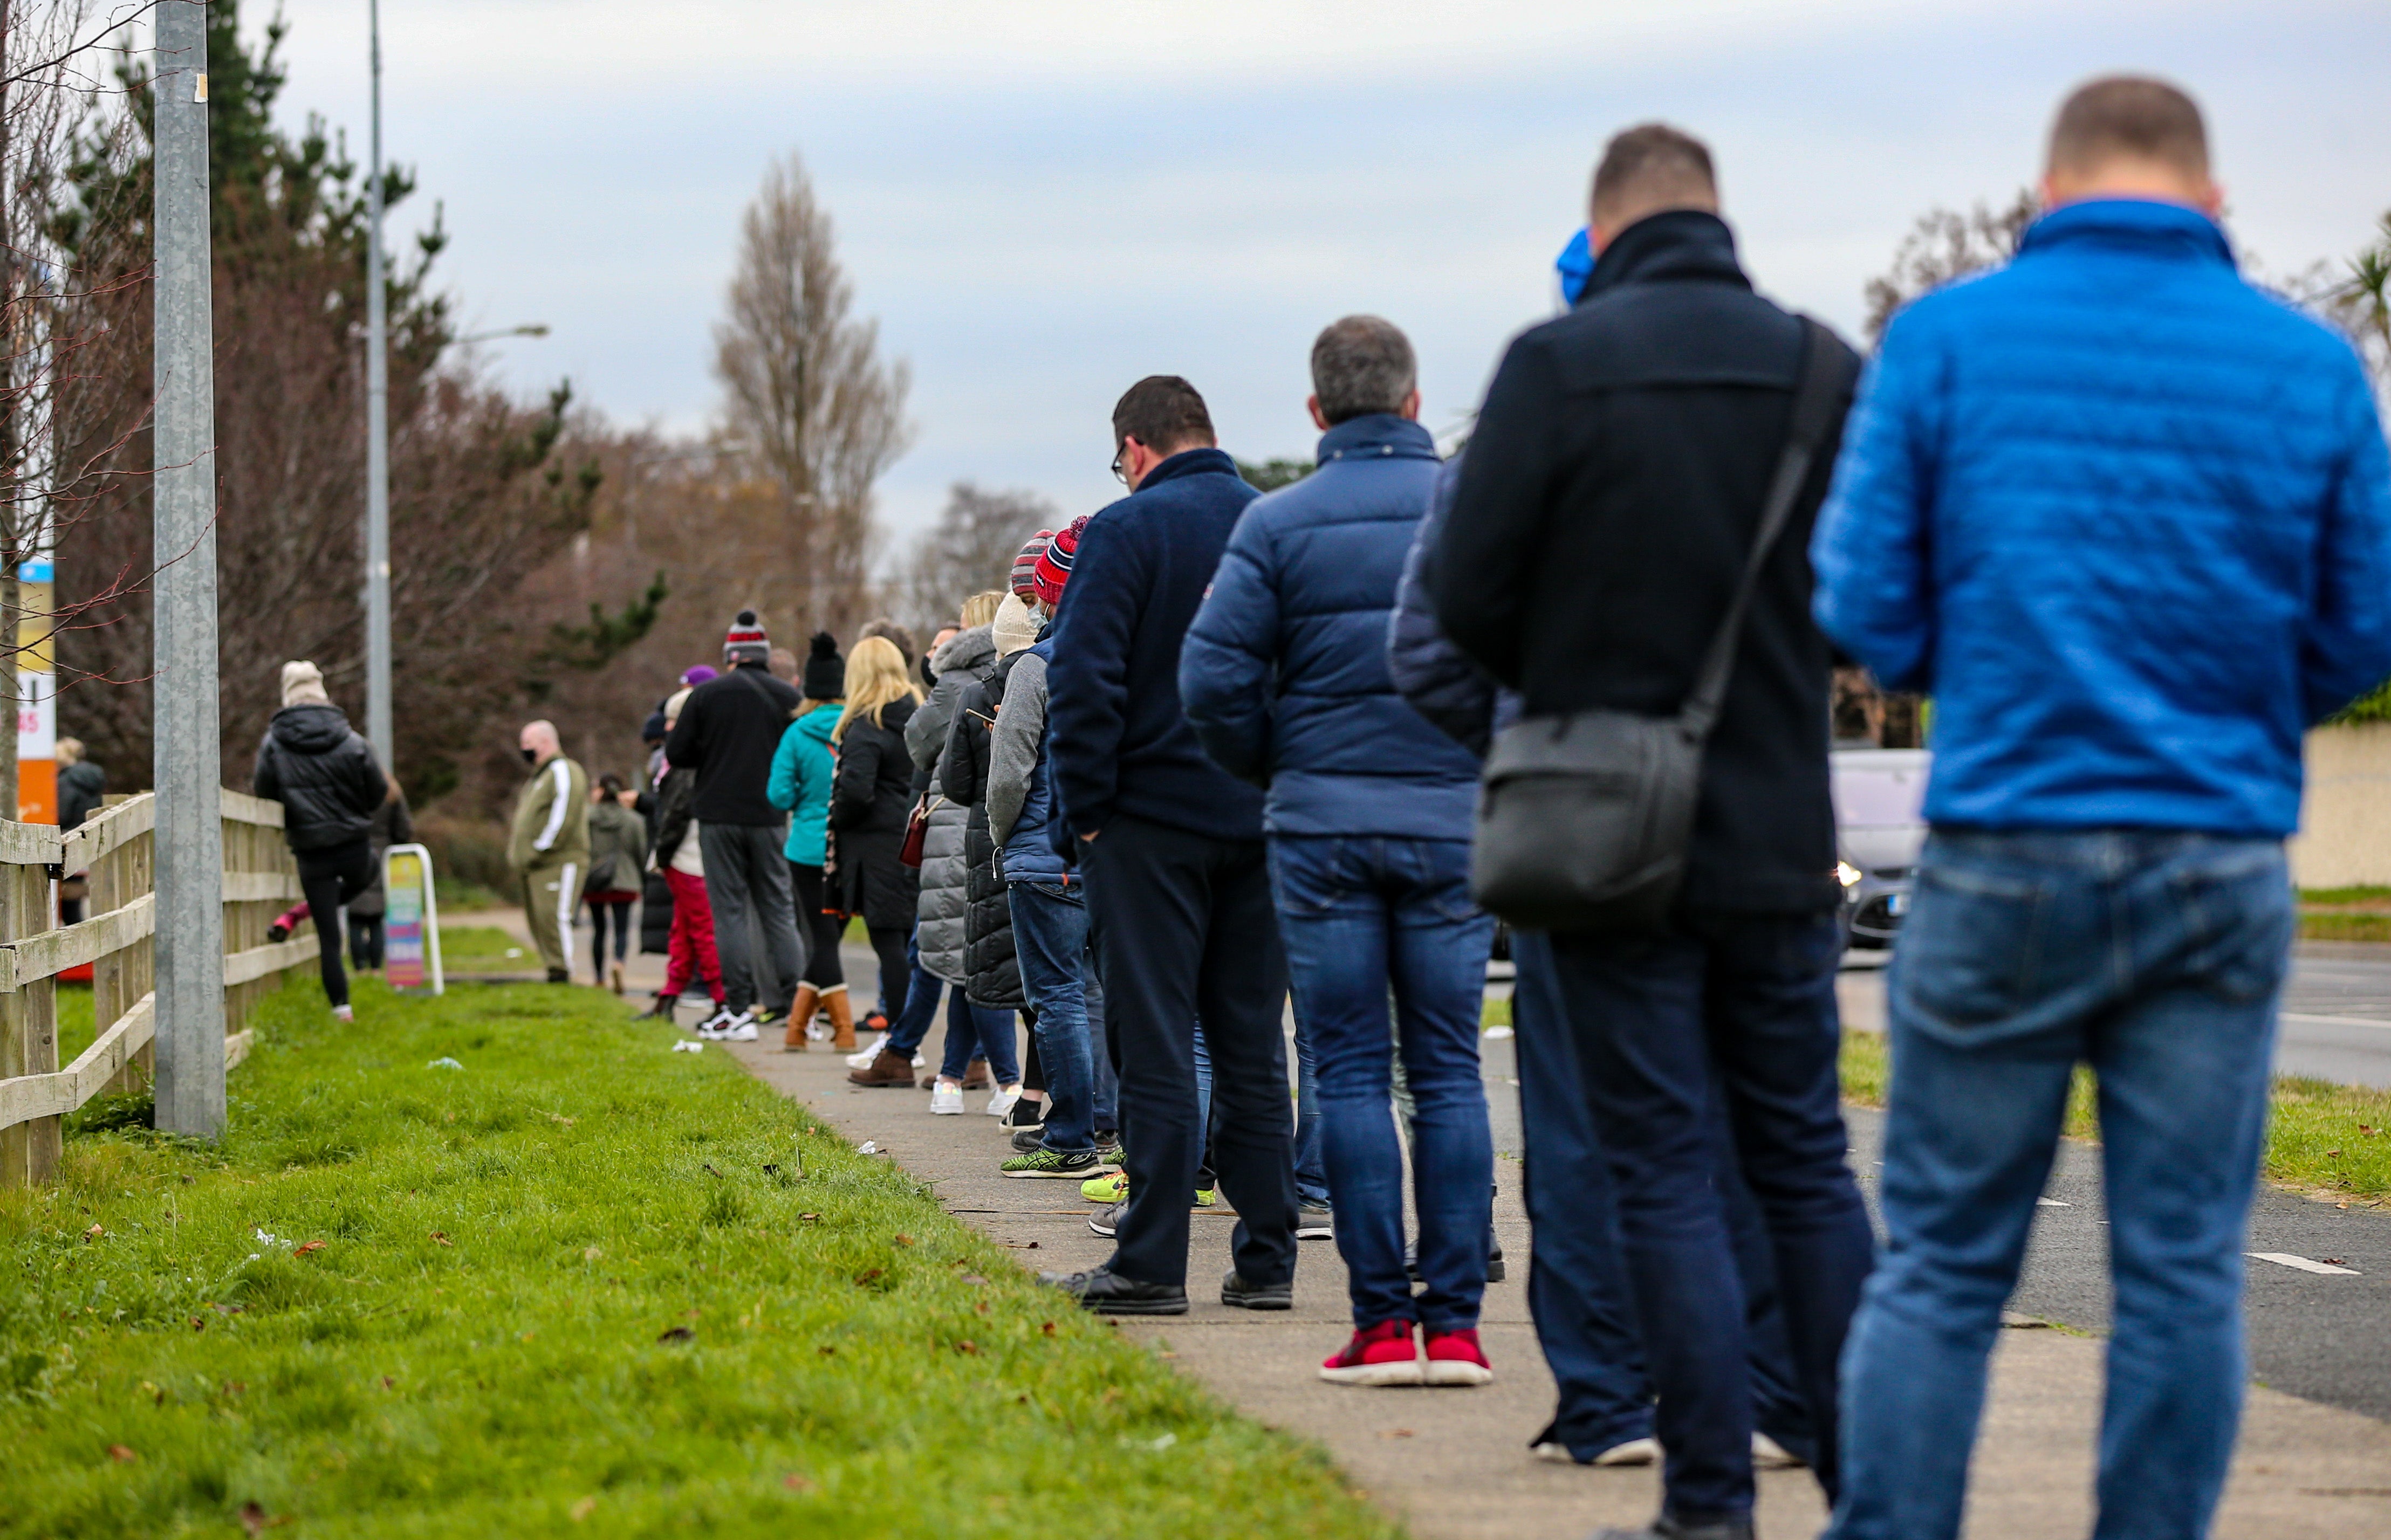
1029 853
2128 518
1284 674
802 773
1442 683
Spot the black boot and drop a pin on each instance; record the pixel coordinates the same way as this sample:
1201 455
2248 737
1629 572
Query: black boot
1108 1293
1669 1528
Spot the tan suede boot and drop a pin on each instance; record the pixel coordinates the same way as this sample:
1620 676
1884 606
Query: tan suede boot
801 1012
841 1019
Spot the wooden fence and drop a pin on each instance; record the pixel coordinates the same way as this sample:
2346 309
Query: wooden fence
260 880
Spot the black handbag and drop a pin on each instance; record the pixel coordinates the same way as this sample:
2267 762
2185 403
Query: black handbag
1584 818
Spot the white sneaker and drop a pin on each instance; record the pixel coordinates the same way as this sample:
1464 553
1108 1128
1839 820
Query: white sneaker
342 1013
862 1060
818 1031
1001 1103
739 1028
1636 1450
710 1028
947 1100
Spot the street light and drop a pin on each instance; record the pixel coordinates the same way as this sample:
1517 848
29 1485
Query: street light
378 731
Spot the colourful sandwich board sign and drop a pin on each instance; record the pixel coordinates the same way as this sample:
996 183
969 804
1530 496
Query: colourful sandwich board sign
410 922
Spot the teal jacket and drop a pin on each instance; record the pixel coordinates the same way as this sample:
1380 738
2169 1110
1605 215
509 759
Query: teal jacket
802 770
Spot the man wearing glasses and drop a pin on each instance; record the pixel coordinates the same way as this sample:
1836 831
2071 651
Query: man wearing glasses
1178 891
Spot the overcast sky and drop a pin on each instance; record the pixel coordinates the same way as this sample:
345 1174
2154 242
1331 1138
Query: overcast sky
1043 199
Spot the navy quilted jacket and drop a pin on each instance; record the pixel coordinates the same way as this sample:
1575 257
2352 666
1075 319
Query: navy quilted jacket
1284 674
2128 518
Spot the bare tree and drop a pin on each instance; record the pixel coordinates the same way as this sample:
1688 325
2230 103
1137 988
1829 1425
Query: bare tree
818 409
970 549
1944 247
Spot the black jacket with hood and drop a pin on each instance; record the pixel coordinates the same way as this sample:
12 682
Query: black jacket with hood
870 804
323 774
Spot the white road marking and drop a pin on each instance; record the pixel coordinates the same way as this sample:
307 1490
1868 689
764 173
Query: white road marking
2285 1259
2306 1019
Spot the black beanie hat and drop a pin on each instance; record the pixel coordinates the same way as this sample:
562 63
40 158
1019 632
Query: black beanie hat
825 673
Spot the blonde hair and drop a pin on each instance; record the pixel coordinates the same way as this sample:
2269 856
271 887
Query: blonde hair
876 674
980 608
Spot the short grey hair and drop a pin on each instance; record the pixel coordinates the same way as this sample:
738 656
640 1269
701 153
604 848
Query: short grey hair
1361 365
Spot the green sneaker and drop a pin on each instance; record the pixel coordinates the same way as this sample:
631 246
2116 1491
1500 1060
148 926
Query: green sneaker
1049 1162
1112 1188
1207 1197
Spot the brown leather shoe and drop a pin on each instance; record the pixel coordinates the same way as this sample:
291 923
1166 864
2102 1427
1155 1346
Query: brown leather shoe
841 1019
888 1069
976 1077
801 1014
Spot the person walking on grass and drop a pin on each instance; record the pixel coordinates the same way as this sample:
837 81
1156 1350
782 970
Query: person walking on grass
1178 887
871 805
618 856
1079 1134
678 855
802 769
1285 683
1609 504
548 848
328 784
728 730
2128 518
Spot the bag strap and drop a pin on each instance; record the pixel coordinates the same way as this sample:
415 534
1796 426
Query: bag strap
1818 401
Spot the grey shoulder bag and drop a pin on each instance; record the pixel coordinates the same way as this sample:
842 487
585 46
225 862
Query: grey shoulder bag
1583 819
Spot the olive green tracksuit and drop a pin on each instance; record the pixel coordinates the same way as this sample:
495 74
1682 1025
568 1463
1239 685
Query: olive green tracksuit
550 849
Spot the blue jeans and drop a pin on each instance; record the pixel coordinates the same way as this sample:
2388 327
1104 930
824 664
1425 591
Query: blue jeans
1310 1165
978 1032
1360 912
1050 937
1578 1290
921 988
2155 957
1734 1010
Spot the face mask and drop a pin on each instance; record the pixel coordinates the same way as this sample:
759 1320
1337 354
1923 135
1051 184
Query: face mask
531 756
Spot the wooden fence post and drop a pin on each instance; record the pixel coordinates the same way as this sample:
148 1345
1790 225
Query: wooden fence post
28 1031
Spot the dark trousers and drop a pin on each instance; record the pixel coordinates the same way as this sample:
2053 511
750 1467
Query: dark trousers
821 928
1185 932
1578 1292
365 941
746 874
892 945
330 877
620 909
1735 1011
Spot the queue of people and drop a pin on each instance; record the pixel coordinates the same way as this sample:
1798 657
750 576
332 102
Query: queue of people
1207 750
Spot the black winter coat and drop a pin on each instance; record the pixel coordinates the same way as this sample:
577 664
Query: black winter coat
728 730
322 774
991 967
81 787
1605 511
870 803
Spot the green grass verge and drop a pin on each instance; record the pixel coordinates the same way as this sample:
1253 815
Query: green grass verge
2345 927
2346 896
2321 1138
469 947
581 1285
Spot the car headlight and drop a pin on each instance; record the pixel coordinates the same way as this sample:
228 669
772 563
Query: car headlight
1847 874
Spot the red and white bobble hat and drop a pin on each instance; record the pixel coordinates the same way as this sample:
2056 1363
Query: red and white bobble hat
746 641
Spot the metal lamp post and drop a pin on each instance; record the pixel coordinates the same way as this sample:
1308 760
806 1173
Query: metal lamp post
378 731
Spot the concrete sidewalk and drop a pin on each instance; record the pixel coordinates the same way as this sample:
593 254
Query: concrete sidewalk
1456 1463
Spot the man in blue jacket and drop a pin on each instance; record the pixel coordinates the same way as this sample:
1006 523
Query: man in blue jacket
2128 518
1172 847
1285 678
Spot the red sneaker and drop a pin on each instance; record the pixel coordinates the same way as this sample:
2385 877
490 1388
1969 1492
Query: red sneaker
1455 1358
1381 1354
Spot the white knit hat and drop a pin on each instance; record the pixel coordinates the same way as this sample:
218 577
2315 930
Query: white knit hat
1015 627
303 685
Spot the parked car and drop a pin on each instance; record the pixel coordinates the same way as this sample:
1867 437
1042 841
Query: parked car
1879 828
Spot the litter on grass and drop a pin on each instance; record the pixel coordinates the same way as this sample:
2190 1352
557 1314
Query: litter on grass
689 1048
444 1062
869 1147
